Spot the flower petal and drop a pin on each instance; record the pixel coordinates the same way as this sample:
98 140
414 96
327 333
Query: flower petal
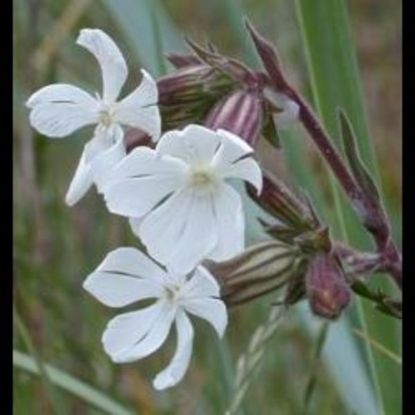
152 340
201 284
113 66
230 224
246 169
176 369
126 330
139 109
180 232
81 181
103 163
60 109
232 147
211 310
194 144
125 276
142 180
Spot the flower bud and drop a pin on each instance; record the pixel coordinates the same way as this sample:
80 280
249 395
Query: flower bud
179 60
326 286
278 200
192 83
258 270
240 113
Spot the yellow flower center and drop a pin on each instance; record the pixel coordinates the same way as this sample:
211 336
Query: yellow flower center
106 117
202 177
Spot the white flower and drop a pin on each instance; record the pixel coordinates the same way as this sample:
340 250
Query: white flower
125 276
178 192
60 109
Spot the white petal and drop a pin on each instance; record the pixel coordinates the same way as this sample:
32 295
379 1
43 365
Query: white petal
177 368
180 232
113 66
125 330
290 109
59 110
232 147
81 181
135 224
230 224
211 310
289 114
103 163
133 262
201 284
195 144
115 285
246 169
152 340
139 109
142 180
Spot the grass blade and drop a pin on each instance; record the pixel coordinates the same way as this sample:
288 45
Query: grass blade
70 384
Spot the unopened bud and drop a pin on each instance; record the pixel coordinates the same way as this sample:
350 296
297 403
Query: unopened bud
257 271
192 83
239 113
327 290
179 60
278 200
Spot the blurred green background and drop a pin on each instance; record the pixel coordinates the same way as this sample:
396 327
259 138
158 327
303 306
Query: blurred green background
56 247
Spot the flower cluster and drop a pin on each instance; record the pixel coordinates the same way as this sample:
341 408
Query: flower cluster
167 157
176 194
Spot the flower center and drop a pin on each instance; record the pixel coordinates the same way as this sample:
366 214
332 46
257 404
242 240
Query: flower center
171 293
106 115
202 177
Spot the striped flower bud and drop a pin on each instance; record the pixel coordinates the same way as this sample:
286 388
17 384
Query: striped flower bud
278 200
259 270
326 286
240 113
192 83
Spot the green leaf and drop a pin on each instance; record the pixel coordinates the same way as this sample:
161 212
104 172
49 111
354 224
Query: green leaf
71 384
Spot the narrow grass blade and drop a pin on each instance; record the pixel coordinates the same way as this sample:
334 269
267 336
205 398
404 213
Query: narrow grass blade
70 384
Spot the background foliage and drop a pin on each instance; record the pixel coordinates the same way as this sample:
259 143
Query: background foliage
56 247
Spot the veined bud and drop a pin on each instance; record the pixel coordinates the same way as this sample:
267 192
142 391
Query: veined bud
240 113
258 270
192 83
278 200
180 60
326 287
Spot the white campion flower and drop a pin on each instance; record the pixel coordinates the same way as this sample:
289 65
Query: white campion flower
60 109
125 276
178 198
